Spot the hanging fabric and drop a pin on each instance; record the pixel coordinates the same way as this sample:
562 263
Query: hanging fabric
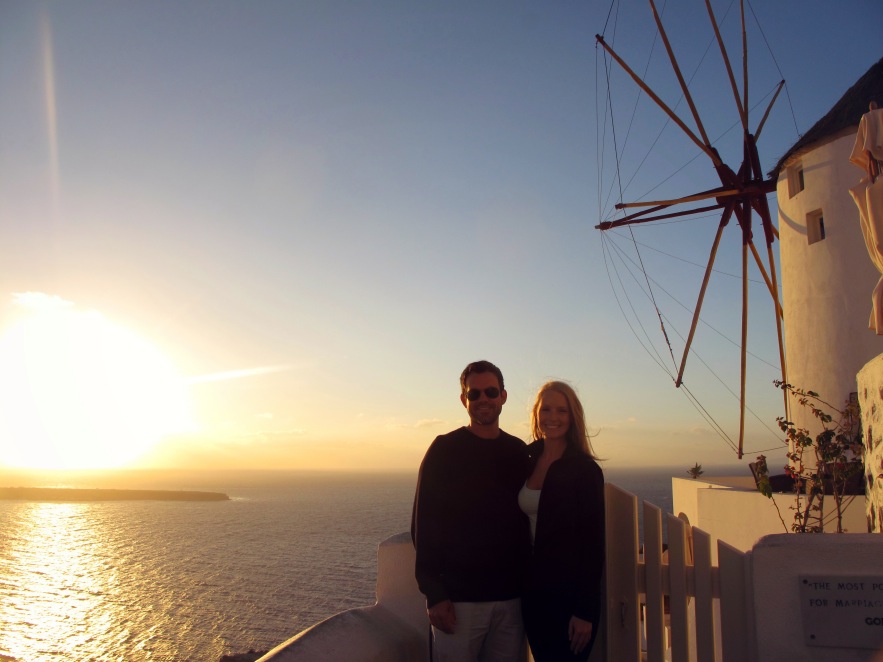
867 154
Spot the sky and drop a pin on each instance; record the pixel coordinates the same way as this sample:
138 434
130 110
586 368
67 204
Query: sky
271 235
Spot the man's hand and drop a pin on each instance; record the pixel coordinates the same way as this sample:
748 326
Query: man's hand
442 616
580 633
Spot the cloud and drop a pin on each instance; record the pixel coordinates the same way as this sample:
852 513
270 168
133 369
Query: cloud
238 374
427 423
278 434
239 439
422 424
40 300
631 421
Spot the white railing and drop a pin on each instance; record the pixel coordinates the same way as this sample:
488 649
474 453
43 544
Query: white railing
671 605
661 605
394 629
692 601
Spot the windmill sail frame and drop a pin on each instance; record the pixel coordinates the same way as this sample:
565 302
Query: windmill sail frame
741 194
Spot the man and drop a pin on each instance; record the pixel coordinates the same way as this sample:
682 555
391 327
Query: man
472 539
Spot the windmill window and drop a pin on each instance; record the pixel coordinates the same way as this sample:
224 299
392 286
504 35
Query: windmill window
795 180
815 226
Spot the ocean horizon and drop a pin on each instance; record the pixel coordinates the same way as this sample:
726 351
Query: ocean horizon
193 581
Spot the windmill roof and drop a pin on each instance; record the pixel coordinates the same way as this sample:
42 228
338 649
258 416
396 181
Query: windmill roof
846 113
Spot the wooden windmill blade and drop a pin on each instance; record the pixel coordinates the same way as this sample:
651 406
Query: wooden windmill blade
743 110
745 222
686 91
762 207
741 193
725 219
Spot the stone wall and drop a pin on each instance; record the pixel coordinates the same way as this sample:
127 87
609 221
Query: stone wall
870 397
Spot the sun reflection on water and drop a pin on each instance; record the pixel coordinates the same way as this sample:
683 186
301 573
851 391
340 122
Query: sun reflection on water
162 581
55 581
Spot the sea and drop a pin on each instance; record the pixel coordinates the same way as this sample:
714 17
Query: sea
180 581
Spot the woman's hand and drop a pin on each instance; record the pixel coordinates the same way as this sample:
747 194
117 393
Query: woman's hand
580 634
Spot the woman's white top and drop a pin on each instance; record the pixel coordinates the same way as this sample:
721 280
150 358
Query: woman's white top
529 502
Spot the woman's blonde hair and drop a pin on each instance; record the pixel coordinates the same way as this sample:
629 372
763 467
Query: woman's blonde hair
577 436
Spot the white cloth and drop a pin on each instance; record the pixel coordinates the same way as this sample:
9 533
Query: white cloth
529 502
868 198
868 139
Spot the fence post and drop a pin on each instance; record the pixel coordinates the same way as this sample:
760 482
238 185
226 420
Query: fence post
654 614
678 557
733 600
702 580
623 617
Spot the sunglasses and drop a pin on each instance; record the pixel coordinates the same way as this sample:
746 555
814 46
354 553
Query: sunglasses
474 394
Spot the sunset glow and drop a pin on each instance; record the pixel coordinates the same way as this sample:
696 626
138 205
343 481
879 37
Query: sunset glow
321 212
77 391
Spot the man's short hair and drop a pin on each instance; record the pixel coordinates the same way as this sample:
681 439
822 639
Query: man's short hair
478 367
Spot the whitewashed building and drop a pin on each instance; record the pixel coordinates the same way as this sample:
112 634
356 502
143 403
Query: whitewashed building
827 276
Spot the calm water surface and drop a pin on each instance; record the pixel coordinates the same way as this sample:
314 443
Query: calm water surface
182 581
152 580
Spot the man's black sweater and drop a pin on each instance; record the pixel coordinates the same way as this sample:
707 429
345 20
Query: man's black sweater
472 539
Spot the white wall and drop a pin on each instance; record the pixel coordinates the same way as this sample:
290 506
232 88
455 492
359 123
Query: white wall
395 629
826 286
777 564
734 511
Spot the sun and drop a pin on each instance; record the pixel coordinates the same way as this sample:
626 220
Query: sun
79 392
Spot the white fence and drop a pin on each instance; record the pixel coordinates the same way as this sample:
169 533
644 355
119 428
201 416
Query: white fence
689 602
673 603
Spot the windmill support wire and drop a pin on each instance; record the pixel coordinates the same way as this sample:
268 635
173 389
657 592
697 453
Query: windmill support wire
659 102
739 194
653 298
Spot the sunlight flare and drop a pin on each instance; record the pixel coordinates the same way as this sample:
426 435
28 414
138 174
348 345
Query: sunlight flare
77 391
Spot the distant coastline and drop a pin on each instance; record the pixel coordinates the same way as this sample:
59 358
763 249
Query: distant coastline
104 494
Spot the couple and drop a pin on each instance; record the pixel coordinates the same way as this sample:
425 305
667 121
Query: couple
510 538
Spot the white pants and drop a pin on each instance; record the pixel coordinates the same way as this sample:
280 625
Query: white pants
485 632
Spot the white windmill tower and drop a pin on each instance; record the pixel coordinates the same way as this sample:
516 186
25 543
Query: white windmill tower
830 264
827 275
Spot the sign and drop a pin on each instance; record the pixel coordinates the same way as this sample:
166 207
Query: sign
843 611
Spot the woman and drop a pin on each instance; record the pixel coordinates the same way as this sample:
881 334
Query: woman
564 500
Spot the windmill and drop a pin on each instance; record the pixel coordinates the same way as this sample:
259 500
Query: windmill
742 195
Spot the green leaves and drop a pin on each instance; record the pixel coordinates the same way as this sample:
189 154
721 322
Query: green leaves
762 476
834 459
